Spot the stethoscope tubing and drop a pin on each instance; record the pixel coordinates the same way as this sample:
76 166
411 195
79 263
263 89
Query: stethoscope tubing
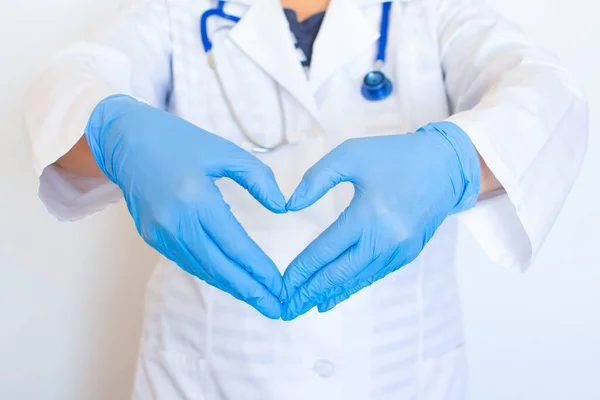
376 91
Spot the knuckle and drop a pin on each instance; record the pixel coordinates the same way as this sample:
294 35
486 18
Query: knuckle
343 150
349 143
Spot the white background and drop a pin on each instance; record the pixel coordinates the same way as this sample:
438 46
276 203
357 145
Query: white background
71 294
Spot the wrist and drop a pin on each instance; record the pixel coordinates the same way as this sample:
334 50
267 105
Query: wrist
489 182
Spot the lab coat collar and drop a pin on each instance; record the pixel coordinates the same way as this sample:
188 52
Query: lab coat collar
263 34
359 3
344 34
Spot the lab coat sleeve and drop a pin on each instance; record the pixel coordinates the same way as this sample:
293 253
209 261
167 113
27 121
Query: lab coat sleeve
525 115
130 55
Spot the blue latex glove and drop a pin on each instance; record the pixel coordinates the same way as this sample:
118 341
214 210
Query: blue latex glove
405 186
166 168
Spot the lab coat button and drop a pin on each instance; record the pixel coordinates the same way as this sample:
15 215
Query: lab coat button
324 368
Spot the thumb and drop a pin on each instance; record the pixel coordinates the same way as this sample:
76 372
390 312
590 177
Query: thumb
101 139
317 181
258 179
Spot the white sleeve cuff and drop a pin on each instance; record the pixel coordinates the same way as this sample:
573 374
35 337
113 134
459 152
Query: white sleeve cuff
53 133
70 197
511 228
496 228
496 221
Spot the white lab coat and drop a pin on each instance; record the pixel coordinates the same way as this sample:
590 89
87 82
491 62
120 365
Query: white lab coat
401 338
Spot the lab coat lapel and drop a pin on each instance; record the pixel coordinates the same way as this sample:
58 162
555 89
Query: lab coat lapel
345 32
264 35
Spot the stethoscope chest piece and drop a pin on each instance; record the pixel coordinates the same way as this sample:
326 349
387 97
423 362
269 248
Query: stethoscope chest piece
376 86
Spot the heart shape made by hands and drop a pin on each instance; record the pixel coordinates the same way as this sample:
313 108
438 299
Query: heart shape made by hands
398 204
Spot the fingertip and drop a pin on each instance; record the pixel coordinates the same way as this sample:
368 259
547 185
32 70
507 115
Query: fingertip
299 304
266 273
291 280
264 188
269 306
298 203
274 200
278 204
294 206
312 188
287 314
291 309
327 306
297 200
283 295
274 315
276 284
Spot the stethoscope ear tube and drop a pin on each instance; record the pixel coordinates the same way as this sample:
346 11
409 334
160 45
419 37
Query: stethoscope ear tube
251 144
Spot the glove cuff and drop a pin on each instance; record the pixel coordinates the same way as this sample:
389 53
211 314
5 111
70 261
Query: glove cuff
96 130
468 160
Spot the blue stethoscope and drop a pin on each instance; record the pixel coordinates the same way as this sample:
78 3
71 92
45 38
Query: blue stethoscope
376 85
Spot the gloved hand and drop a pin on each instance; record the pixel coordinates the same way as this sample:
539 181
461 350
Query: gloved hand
405 186
166 168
